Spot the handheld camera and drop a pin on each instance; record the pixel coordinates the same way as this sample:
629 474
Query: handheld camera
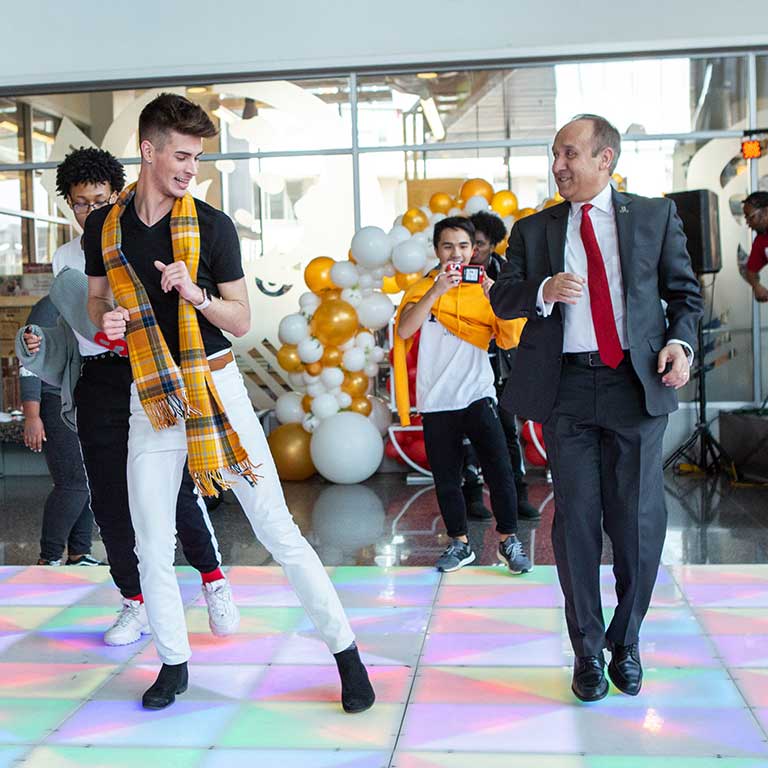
470 273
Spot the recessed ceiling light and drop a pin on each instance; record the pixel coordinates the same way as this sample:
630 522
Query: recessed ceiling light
427 75
197 89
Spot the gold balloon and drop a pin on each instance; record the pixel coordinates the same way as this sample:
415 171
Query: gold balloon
406 280
389 285
441 202
521 214
334 322
355 383
501 248
549 203
306 404
460 202
331 294
350 256
473 187
361 405
288 358
415 220
331 357
317 274
289 446
504 203
313 369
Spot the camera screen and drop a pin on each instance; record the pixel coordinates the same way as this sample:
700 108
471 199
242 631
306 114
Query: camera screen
471 274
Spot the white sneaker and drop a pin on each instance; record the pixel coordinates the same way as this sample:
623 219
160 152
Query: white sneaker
130 624
223 615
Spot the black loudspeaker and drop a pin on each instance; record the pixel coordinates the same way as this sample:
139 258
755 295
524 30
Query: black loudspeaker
697 209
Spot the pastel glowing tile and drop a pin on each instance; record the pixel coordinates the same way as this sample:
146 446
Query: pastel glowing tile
516 593
390 593
70 647
677 651
256 595
488 760
753 684
11 756
8 571
662 622
742 650
734 621
187 723
672 762
107 594
27 721
384 621
492 685
52 681
286 758
43 594
71 576
252 575
16 617
207 682
720 574
497 620
260 621
728 595
321 684
312 726
114 757
9 639
82 619
234 649
496 650
385 576
499 575
761 713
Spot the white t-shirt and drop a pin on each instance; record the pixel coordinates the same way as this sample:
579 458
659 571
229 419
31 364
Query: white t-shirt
71 255
452 373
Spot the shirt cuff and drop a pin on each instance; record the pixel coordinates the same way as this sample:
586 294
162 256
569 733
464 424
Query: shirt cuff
686 346
543 308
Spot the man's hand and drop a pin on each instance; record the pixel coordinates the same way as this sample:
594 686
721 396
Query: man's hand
176 277
32 342
761 293
487 285
34 433
680 372
565 287
115 322
444 282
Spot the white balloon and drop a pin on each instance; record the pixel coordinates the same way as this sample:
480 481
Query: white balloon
332 377
436 217
398 222
429 233
377 273
456 211
316 389
324 406
346 448
352 296
427 210
408 257
349 344
296 380
353 359
389 269
310 423
376 355
365 341
371 369
380 415
309 300
398 234
371 247
344 399
420 237
344 274
509 222
367 292
292 329
375 311
365 280
310 350
310 379
475 204
288 408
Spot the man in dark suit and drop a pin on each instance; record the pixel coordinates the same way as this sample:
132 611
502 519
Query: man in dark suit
598 364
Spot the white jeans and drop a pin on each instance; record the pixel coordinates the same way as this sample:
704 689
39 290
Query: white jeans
155 464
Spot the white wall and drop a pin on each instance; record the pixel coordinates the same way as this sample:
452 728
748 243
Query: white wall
48 41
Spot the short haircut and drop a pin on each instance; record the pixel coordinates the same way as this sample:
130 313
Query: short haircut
490 225
89 165
756 200
453 222
171 112
604 134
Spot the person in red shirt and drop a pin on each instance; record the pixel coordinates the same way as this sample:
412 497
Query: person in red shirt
756 216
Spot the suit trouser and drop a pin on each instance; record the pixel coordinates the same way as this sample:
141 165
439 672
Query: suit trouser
155 463
605 453
102 396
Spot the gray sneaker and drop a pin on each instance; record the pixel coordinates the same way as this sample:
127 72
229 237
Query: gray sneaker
511 553
458 554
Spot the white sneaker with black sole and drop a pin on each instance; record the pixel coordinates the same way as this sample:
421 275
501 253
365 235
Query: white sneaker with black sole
130 625
458 554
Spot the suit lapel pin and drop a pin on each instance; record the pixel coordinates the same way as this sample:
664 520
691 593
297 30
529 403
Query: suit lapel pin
623 209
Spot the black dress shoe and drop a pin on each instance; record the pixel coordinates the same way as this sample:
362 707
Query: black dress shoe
173 679
589 683
478 511
625 669
356 690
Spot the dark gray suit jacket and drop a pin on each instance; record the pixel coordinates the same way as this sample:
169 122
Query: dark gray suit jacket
654 265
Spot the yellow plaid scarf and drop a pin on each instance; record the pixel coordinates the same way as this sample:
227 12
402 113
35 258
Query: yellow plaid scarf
167 393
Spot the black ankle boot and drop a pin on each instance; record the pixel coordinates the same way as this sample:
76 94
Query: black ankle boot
173 679
356 690
525 510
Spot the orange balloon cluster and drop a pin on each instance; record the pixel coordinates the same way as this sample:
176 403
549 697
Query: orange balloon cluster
473 187
415 220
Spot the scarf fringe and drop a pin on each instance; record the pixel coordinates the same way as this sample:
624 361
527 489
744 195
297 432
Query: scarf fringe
207 480
164 412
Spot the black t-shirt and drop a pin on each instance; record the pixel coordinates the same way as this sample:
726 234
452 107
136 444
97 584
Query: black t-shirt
220 262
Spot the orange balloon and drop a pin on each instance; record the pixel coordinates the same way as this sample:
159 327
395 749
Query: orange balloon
355 383
389 285
406 280
331 358
288 358
558 197
525 212
504 203
460 202
317 274
473 187
289 446
350 256
331 294
306 404
549 203
441 202
334 322
501 248
415 220
313 369
361 405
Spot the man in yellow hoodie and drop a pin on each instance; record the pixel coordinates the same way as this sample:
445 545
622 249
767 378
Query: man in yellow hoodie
455 390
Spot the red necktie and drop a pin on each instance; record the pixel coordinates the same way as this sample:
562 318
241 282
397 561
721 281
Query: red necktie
603 319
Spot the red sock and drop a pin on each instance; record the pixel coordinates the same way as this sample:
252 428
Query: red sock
138 597
214 575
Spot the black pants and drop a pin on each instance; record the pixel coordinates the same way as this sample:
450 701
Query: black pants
103 396
443 434
605 454
67 516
